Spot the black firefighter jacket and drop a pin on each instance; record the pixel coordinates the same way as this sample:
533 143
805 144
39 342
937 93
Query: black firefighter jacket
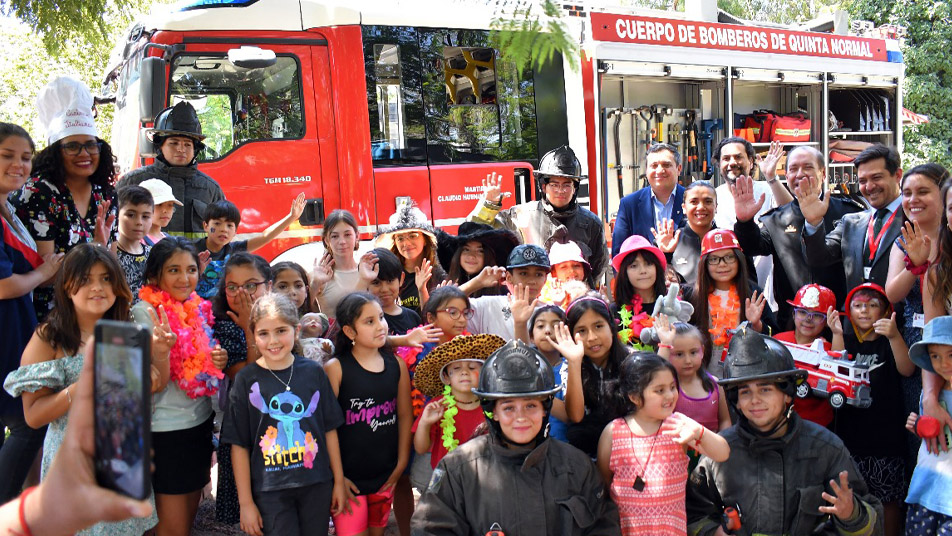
194 189
778 485
536 222
554 490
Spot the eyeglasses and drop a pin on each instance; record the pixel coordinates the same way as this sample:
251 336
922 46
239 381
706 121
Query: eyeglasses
811 316
455 313
864 305
726 259
413 235
561 187
250 287
73 148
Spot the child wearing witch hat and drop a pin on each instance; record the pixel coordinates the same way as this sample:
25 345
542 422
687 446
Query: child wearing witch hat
448 376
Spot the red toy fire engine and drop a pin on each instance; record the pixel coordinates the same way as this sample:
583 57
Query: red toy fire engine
832 375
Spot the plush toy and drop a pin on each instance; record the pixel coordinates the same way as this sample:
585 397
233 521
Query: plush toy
675 309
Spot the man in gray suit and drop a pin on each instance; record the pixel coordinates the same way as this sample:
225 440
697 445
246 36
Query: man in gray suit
860 242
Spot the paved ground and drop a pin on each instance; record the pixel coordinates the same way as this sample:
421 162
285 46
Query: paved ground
205 524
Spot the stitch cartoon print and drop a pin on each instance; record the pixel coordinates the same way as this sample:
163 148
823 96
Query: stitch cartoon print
286 445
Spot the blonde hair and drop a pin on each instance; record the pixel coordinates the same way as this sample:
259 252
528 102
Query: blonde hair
276 305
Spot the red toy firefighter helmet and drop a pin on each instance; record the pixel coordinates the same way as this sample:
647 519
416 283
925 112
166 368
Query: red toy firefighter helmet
868 286
813 297
718 239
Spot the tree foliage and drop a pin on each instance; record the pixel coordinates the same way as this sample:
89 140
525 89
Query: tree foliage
928 84
28 64
60 21
530 33
784 12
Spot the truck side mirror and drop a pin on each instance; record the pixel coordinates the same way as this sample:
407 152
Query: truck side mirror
152 94
147 149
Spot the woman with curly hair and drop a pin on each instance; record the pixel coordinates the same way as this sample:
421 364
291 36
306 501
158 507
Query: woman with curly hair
70 199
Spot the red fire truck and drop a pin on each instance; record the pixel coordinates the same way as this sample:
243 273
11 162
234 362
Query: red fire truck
832 375
362 103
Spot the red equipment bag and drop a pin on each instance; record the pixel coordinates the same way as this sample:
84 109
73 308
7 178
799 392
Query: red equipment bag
790 128
773 126
759 124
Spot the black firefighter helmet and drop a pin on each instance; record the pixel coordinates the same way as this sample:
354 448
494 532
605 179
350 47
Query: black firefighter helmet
516 370
559 162
178 120
755 357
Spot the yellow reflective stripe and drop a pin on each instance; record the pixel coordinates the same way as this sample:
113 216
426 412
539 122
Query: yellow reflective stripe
190 236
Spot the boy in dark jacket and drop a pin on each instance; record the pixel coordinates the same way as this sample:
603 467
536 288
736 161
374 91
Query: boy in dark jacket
785 475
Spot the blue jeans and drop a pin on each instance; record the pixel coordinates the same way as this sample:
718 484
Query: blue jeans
17 452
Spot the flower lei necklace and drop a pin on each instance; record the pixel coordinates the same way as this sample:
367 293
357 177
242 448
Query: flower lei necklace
190 361
634 316
448 422
724 316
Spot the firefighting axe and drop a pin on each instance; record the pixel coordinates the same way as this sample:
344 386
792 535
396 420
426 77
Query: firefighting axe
659 111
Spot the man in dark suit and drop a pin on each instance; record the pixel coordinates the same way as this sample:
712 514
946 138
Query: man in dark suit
641 212
779 231
860 243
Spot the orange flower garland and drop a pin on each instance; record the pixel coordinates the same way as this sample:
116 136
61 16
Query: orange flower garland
723 316
190 363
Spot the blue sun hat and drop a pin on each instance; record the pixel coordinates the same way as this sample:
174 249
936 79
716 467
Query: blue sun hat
937 331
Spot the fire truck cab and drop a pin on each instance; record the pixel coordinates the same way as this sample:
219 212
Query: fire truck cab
359 104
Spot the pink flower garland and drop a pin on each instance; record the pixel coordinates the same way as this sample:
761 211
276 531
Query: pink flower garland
190 363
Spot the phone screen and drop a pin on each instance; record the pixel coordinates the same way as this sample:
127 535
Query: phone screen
122 419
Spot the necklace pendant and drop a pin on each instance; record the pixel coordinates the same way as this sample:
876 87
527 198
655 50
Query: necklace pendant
639 484
287 387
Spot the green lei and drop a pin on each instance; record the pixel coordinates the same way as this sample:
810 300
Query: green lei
448 423
626 334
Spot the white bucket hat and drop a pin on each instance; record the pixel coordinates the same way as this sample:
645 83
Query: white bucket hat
65 108
161 192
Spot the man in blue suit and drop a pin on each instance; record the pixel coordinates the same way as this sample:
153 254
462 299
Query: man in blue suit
646 209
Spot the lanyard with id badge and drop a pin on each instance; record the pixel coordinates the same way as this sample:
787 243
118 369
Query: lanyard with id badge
874 243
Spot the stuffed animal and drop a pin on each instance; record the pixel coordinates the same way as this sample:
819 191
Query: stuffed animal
675 309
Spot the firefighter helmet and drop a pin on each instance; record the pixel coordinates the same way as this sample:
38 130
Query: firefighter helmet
813 297
178 120
752 356
718 239
515 370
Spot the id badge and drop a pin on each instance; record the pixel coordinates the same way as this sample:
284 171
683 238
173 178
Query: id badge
918 320
867 270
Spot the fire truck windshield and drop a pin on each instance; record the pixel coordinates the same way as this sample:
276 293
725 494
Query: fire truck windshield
236 105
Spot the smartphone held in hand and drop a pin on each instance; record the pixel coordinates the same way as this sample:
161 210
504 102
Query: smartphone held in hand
123 415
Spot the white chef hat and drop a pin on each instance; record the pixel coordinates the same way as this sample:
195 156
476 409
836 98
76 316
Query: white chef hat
65 108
